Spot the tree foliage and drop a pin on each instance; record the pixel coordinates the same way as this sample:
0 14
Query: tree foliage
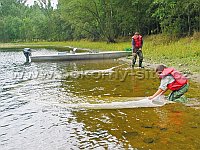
96 19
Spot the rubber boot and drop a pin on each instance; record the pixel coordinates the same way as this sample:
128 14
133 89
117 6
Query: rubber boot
140 64
133 63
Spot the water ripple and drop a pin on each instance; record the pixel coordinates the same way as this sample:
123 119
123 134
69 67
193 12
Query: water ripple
31 100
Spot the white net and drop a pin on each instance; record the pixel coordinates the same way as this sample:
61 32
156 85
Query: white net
143 102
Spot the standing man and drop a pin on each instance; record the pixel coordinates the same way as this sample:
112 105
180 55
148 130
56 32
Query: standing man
27 53
137 43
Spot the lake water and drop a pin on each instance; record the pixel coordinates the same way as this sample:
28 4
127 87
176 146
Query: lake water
34 113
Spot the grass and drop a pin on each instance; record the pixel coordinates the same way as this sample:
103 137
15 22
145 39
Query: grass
103 46
183 54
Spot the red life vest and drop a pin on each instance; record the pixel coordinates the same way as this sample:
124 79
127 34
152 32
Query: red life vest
138 41
180 80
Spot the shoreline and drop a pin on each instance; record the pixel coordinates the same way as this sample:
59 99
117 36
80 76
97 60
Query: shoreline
148 63
195 77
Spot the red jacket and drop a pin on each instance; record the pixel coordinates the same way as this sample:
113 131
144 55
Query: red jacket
180 80
137 41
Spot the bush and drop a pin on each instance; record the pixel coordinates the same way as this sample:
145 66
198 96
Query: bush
196 35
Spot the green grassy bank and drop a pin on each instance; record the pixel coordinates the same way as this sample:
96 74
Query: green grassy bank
183 53
80 44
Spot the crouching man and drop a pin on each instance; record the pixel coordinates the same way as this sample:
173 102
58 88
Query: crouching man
172 80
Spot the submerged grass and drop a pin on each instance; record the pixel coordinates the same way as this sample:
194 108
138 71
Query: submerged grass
183 53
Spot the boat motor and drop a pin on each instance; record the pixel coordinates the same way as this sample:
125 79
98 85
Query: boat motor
73 51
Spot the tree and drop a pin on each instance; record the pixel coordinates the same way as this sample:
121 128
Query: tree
96 19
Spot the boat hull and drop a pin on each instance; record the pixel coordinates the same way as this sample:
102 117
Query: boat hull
81 56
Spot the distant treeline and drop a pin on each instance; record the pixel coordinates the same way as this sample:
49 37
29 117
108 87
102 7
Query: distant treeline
96 19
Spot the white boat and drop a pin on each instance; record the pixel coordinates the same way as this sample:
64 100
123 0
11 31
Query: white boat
80 56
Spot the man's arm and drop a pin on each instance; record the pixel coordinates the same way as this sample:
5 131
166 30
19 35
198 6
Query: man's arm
142 43
133 44
158 92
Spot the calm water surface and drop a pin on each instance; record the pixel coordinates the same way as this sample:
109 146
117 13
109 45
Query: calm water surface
33 113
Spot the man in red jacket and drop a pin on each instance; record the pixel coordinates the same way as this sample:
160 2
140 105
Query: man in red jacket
173 80
137 43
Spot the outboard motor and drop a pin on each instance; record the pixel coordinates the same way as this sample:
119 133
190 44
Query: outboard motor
27 53
74 50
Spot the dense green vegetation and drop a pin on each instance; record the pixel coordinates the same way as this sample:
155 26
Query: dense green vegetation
96 19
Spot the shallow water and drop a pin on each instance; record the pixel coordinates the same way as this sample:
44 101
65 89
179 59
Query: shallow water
33 113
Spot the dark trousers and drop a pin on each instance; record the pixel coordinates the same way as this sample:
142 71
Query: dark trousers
27 56
138 52
178 96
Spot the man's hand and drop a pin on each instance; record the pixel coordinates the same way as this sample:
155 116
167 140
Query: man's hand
133 51
150 97
140 49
